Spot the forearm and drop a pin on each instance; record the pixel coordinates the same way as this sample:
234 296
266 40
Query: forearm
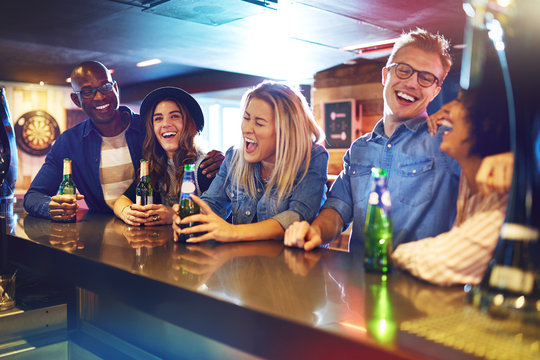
120 205
37 204
329 224
265 230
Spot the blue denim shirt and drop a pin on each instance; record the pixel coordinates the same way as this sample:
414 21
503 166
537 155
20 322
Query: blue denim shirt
423 182
82 144
303 204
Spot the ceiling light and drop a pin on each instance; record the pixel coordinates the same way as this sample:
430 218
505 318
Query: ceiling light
68 80
149 62
371 47
41 83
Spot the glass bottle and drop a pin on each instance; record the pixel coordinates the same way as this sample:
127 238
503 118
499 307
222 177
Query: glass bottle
187 205
378 225
67 186
144 192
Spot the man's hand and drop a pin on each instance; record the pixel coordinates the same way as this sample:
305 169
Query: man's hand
211 163
303 235
440 117
64 207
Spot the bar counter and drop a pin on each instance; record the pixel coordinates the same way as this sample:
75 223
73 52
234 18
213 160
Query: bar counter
251 299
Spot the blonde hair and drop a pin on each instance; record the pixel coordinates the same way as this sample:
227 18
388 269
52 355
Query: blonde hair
424 40
296 132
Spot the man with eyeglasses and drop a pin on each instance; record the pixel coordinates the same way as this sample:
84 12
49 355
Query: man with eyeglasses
423 181
105 150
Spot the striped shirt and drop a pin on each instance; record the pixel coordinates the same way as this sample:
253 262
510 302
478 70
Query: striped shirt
461 255
116 169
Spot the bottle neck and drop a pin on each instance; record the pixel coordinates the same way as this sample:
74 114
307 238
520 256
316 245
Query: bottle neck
67 170
144 171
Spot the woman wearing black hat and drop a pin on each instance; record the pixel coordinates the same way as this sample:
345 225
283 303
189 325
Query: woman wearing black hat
173 118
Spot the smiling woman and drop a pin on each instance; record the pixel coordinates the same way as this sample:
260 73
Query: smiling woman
275 177
172 118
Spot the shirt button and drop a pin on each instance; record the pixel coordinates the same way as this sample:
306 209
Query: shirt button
259 190
414 171
354 172
248 213
389 145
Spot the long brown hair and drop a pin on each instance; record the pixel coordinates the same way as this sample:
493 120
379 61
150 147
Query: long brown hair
157 158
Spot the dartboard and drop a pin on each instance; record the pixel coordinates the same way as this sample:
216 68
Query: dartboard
36 131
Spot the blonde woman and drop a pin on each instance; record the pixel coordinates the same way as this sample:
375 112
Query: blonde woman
276 177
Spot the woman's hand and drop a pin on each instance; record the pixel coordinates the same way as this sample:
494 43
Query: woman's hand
495 173
149 215
213 227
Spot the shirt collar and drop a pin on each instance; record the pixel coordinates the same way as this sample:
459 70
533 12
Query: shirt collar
413 125
90 127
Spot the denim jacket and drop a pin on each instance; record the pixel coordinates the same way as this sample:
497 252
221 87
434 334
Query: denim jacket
423 182
226 199
82 144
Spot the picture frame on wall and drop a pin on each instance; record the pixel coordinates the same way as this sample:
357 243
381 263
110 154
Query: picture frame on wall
341 123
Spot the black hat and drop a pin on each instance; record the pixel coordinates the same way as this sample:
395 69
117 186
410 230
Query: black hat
178 94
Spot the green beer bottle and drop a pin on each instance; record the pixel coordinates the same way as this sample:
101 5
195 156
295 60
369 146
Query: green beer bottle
144 191
67 186
187 205
378 225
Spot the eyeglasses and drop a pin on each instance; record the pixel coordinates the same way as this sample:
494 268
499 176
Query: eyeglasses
89 93
405 71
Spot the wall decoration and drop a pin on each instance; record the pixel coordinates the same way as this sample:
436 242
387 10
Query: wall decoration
36 131
340 123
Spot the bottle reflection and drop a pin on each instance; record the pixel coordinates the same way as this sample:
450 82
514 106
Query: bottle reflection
186 265
382 325
142 255
143 240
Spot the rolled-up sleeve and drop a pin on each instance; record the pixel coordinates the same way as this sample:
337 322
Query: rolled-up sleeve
339 197
46 182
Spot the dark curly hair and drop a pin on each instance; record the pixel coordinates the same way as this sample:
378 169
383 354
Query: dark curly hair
487 112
